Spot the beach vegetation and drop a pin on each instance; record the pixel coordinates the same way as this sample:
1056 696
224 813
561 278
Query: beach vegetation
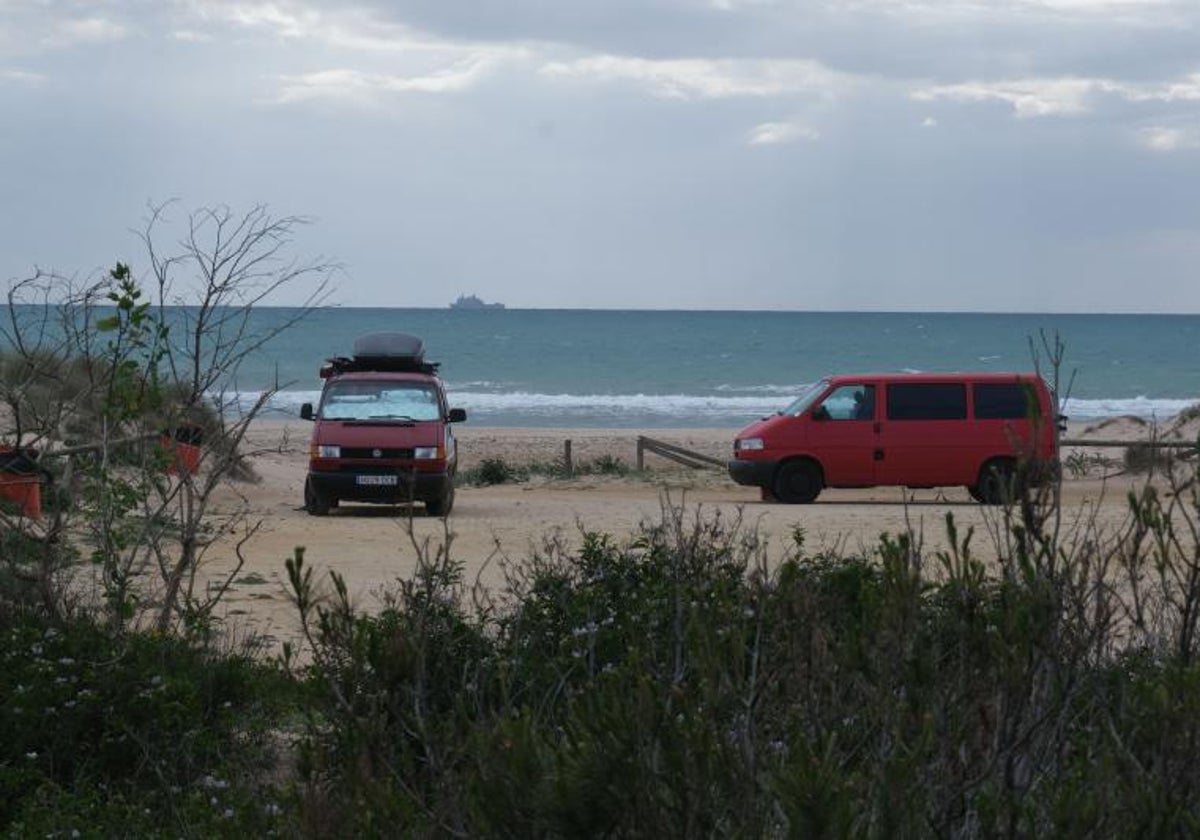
674 681
1033 679
121 390
1146 457
144 734
492 471
1079 464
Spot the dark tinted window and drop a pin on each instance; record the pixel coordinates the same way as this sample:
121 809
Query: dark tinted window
1007 401
927 401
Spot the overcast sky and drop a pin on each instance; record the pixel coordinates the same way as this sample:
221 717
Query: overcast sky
996 155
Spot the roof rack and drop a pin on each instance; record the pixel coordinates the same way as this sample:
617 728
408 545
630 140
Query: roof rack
382 352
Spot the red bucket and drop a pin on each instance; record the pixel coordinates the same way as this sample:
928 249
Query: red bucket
20 482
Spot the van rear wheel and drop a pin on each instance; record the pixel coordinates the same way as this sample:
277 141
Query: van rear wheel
797 482
997 483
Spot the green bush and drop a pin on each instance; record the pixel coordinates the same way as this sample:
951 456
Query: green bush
493 471
98 730
670 684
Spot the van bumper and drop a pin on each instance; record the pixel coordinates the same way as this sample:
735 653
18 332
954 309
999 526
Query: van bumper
409 486
752 473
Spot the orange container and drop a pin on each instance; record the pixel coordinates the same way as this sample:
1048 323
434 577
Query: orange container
25 491
20 481
184 457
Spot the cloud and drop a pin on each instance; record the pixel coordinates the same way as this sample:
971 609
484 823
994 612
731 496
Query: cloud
1120 12
929 122
705 78
286 20
1028 97
734 5
346 28
20 77
355 85
1061 96
778 133
1163 139
82 31
1184 90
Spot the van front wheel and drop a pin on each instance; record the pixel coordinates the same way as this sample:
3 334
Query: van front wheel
442 505
315 502
797 482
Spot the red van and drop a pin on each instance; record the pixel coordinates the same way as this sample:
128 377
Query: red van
979 430
382 431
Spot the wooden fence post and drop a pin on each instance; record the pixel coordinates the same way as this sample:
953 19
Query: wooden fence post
567 463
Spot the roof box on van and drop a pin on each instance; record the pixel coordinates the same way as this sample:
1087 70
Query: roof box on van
386 352
389 346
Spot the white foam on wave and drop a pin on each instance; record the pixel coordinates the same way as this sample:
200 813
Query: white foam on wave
686 406
1144 407
786 390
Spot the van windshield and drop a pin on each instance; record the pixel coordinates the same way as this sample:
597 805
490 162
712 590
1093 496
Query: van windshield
806 399
365 399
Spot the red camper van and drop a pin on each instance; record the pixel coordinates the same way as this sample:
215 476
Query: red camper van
979 430
382 431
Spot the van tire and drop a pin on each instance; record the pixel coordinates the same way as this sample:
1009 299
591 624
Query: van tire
797 482
315 502
997 482
442 505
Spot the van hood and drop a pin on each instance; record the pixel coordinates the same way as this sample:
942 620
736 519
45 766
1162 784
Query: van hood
762 427
378 434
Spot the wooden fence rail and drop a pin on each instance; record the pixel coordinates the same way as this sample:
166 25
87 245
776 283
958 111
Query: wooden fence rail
678 454
1153 444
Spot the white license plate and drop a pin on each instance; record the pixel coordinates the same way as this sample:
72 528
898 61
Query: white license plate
376 480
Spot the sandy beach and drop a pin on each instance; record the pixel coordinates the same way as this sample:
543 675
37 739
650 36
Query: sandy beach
371 545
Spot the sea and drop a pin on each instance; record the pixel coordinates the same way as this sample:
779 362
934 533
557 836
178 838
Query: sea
704 369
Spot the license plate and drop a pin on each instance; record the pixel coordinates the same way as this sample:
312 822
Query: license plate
376 480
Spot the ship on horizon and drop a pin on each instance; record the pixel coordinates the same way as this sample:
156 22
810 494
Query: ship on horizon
474 302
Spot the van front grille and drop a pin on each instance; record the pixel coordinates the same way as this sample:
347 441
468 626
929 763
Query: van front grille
368 454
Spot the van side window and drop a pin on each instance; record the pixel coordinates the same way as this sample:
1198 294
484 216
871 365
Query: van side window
1003 401
927 401
850 402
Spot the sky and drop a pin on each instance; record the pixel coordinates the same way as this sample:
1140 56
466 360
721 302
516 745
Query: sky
964 155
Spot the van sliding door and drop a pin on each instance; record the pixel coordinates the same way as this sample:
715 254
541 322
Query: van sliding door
923 440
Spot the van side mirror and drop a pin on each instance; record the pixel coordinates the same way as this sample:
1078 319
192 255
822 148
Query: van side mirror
820 413
456 415
306 412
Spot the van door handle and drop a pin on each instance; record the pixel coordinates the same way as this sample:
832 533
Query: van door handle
878 454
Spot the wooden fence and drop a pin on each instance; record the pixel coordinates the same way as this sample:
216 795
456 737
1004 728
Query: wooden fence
678 454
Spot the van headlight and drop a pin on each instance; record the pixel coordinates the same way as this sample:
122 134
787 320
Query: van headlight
427 453
326 451
747 444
